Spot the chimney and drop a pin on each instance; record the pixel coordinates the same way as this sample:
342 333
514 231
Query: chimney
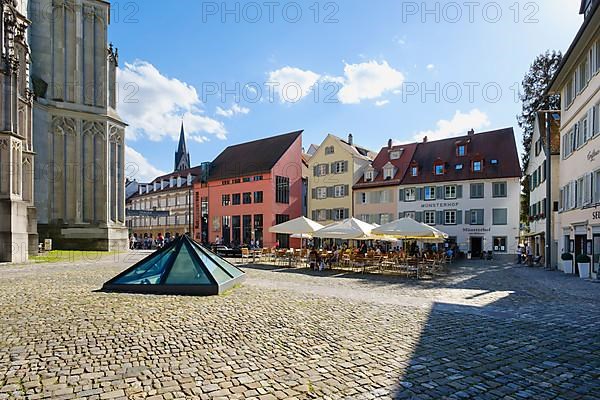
390 144
425 139
350 139
471 132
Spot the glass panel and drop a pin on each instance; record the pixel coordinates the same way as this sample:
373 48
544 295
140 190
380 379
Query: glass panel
148 273
213 262
185 270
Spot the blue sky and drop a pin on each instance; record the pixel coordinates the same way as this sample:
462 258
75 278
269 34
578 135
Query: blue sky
379 70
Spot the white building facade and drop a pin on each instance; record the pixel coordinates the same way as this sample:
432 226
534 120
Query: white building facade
578 82
536 174
468 187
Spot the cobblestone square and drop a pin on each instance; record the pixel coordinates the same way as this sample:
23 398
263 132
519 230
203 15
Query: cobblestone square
488 330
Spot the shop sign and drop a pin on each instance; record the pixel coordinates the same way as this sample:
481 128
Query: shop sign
443 204
477 230
596 215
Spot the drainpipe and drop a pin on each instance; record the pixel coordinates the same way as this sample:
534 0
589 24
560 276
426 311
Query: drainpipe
549 205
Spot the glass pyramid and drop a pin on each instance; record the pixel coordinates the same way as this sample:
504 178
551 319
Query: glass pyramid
183 267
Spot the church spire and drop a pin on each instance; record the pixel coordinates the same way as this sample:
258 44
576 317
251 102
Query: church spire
182 157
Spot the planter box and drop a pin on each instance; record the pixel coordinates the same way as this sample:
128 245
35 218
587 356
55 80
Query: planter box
584 270
567 266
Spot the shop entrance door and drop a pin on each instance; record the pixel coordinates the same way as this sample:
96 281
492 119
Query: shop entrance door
476 247
579 248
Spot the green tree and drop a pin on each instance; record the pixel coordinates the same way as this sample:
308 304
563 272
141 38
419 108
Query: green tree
534 98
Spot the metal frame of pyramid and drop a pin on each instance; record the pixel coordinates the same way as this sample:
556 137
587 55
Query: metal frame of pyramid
182 268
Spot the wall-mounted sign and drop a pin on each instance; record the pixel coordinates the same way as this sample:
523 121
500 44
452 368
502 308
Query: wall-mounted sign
596 215
593 154
477 230
440 205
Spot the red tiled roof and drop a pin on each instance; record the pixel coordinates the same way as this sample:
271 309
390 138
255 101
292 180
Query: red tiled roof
258 156
381 161
497 145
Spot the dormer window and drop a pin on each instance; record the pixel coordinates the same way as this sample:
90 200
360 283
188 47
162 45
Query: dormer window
438 168
414 170
395 155
459 167
494 162
369 176
461 150
477 165
388 171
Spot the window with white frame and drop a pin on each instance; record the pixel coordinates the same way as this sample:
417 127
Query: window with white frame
322 170
594 116
569 94
500 216
410 194
339 191
430 193
394 155
583 75
450 192
385 218
369 176
579 191
450 217
499 189
339 167
477 217
340 214
414 171
410 214
388 172
429 217
363 198
321 193
477 166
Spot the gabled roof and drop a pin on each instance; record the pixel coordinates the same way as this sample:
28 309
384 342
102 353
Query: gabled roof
382 159
258 156
497 145
182 267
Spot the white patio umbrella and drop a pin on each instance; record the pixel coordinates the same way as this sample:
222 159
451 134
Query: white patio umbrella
298 226
349 229
408 228
301 226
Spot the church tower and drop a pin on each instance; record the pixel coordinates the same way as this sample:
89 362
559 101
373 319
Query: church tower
182 157
80 169
18 237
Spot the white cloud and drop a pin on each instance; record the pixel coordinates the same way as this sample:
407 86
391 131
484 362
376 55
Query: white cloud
138 167
430 67
369 80
292 84
459 125
153 105
382 103
233 111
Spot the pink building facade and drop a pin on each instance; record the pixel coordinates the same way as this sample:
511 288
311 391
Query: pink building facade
251 187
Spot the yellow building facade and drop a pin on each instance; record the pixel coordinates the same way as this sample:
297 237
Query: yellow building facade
333 169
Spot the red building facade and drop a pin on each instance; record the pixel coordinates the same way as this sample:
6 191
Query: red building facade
250 188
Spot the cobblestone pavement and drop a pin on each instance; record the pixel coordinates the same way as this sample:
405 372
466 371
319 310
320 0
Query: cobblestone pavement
486 331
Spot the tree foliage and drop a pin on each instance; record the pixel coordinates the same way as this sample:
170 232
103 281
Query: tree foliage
534 99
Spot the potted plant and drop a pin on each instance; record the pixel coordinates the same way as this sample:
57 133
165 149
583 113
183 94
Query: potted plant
567 263
583 263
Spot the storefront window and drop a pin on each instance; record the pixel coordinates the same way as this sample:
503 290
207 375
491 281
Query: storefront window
500 244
